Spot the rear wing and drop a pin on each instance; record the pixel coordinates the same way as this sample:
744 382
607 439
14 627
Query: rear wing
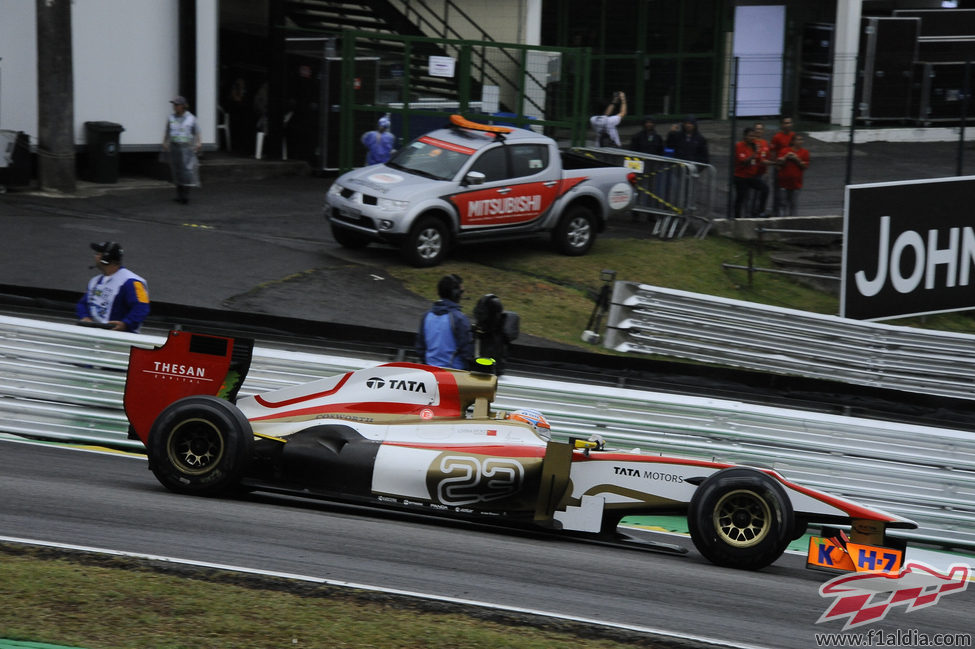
187 364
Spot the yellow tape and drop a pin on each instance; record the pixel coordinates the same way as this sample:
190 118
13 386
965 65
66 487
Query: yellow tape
272 438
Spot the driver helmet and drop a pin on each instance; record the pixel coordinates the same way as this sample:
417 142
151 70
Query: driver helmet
534 418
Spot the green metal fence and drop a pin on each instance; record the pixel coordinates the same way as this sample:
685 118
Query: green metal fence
421 81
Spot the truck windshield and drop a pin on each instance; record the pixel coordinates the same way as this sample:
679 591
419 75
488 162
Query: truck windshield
432 158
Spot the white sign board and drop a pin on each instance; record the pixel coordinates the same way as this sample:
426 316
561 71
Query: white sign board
758 45
442 66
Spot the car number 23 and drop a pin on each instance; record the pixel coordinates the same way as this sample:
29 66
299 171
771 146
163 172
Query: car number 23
468 480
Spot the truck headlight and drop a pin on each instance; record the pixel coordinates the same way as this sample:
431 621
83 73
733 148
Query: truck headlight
389 204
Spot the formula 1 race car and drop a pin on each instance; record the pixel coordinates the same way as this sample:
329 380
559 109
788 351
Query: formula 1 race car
425 438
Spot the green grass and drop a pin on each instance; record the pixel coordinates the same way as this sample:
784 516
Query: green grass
116 603
554 294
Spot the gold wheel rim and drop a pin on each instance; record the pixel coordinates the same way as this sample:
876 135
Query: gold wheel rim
742 518
195 446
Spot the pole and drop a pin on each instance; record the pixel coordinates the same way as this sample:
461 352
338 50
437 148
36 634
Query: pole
966 88
187 52
732 112
853 122
55 97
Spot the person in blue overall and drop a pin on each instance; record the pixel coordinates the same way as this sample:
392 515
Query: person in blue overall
379 143
116 298
444 338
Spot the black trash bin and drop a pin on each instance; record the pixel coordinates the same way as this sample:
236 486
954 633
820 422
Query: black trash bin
15 161
102 139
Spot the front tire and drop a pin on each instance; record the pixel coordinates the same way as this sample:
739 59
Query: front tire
200 445
740 518
576 232
427 242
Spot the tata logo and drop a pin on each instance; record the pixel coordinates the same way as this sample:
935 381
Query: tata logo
377 383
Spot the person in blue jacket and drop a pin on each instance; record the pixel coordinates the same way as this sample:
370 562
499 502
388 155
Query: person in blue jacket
444 338
116 297
379 143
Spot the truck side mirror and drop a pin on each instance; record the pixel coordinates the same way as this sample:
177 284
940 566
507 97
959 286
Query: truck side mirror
474 178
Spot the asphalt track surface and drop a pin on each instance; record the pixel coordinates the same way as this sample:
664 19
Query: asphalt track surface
263 247
111 501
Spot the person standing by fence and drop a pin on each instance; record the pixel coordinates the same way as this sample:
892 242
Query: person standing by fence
749 165
781 140
444 337
792 164
115 298
687 143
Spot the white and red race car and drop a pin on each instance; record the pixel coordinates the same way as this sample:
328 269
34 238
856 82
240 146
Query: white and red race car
419 437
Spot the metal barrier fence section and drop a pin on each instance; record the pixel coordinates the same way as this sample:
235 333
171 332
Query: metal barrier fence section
646 319
65 383
676 195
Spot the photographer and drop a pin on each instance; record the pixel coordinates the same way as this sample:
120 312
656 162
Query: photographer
606 122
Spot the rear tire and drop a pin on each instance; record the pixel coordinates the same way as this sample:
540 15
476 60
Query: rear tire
200 445
740 518
576 231
426 245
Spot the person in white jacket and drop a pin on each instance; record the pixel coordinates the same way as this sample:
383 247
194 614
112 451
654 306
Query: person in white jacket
181 142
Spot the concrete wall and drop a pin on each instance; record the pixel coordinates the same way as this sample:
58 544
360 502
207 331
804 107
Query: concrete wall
506 21
125 63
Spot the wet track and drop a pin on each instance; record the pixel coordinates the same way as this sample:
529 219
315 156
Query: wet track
264 248
112 501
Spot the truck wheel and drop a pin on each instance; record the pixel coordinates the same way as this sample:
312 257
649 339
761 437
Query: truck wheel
740 518
426 244
576 232
349 239
200 445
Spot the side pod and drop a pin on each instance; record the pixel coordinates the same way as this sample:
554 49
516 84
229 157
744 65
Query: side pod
187 364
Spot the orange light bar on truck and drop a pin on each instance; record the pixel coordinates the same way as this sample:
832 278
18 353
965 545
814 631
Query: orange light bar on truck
462 122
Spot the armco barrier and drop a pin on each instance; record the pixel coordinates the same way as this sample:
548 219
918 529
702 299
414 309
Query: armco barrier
62 382
646 319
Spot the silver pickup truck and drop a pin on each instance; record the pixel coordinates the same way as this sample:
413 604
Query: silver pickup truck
473 182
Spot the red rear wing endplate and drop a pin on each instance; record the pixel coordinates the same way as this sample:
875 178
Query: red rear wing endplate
187 364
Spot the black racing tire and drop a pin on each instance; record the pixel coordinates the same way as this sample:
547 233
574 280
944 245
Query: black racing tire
426 245
576 231
740 518
200 445
348 238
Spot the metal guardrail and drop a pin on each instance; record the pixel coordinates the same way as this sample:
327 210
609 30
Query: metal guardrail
648 319
65 383
677 195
